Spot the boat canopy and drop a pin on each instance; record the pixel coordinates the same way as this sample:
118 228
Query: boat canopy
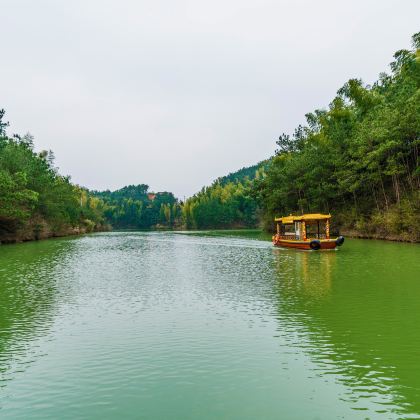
304 217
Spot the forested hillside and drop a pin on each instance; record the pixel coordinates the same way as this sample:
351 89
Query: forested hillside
358 159
135 207
245 174
35 200
228 202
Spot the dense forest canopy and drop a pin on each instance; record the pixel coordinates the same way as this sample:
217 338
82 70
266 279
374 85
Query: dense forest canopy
134 206
34 197
228 202
245 174
357 159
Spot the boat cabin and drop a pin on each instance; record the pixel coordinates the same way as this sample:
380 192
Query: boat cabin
307 231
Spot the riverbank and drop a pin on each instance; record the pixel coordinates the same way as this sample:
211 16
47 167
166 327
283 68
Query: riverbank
266 234
36 232
39 230
348 233
385 237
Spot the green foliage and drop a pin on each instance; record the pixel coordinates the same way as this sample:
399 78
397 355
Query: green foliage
16 201
134 207
245 174
228 202
32 190
3 125
359 158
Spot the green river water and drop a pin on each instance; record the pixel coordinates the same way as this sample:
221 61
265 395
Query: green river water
155 325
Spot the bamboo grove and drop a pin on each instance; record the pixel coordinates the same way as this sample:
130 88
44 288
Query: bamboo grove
358 159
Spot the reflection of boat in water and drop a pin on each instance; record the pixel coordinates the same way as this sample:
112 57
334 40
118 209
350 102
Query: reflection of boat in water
308 231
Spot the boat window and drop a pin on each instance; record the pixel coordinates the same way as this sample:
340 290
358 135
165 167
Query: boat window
316 229
297 230
288 230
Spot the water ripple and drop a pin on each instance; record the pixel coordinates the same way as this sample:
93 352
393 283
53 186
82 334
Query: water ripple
165 325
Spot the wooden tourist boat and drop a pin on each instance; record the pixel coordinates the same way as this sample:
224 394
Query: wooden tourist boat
308 231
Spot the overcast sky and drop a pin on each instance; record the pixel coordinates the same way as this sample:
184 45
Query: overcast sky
175 93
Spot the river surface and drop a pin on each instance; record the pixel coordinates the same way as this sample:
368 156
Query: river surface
137 325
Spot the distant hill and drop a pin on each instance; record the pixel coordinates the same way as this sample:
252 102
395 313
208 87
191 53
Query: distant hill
135 192
134 206
227 203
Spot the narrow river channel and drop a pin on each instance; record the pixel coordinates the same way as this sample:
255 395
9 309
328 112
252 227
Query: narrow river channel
137 325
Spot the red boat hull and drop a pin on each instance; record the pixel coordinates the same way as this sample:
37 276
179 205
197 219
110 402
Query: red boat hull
325 244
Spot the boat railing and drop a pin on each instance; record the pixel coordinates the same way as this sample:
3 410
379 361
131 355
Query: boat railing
292 237
316 236
288 237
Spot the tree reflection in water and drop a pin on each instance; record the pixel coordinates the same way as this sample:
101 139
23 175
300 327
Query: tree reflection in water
28 297
357 317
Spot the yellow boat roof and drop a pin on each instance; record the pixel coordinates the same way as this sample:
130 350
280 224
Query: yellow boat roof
303 217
